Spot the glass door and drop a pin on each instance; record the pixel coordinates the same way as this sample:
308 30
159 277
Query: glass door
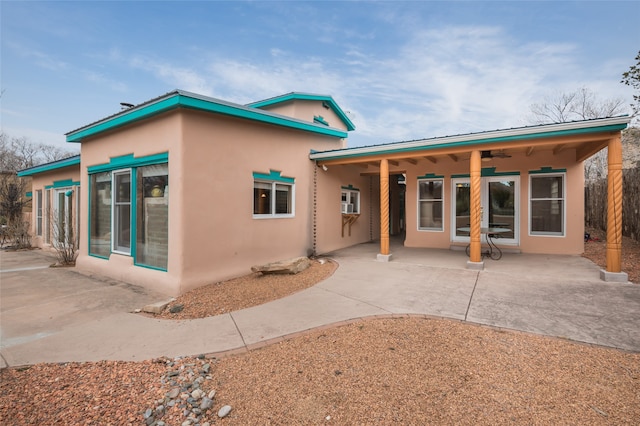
499 206
122 212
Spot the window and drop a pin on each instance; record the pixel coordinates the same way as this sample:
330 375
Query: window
350 200
430 204
129 210
100 214
39 212
152 230
547 204
272 199
122 211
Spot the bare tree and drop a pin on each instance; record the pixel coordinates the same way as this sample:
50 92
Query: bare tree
581 104
632 78
17 153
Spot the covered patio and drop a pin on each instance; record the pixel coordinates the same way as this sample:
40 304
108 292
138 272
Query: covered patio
449 181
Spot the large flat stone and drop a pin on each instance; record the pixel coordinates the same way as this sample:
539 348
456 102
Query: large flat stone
291 266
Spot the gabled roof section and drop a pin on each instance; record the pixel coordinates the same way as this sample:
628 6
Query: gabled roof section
472 140
182 99
307 97
54 165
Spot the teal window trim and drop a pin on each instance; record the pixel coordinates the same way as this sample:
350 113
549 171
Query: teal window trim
154 268
132 163
129 161
320 119
273 175
28 194
431 176
349 187
546 169
486 172
62 183
133 225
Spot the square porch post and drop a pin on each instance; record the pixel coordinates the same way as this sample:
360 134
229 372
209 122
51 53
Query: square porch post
384 254
614 214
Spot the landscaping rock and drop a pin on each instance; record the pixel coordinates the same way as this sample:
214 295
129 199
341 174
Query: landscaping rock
224 411
156 308
291 266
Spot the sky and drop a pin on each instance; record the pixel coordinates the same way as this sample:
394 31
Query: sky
401 70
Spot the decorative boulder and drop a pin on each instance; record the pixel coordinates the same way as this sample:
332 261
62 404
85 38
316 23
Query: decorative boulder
291 266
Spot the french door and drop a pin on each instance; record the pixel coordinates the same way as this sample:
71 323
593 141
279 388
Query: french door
62 223
500 198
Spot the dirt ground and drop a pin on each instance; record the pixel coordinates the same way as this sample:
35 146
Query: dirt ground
377 371
596 251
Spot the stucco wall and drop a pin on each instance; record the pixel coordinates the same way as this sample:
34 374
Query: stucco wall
222 238
157 135
39 182
571 243
307 110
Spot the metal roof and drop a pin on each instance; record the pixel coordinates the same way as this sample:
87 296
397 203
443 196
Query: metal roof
491 136
183 99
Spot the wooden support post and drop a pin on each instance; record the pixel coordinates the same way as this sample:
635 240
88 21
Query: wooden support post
476 213
384 207
614 206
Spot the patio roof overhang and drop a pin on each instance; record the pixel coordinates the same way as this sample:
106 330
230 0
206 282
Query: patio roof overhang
585 137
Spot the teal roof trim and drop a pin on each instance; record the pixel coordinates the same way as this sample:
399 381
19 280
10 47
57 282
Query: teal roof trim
469 140
181 99
62 184
320 119
547 169
307 97
273 175
54 165
126 161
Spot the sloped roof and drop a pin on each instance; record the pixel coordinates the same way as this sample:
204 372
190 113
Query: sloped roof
183 99
47 167
327 100
479 138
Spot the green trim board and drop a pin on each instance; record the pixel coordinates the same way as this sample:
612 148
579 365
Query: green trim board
431 176
62 184
320 119
273 175
547 169
349 188
326 100
182 99
126 161
54 165
487 172
29 194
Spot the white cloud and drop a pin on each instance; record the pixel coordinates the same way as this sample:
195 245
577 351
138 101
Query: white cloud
178 77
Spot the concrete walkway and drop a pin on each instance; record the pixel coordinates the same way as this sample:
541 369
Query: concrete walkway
58 315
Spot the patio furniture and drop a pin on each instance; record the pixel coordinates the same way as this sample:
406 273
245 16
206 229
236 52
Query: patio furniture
494 251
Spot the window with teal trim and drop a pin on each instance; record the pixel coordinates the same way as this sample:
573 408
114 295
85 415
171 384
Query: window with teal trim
129 210
430 204
152 216
272 199
547 204
100 214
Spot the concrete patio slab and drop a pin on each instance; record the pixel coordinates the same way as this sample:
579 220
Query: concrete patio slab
58 315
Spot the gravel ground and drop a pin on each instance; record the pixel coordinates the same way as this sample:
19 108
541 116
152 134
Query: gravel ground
375 371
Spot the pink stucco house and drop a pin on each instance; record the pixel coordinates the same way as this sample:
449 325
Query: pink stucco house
184 190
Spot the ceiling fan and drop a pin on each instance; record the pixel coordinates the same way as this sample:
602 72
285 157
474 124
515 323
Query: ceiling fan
487 155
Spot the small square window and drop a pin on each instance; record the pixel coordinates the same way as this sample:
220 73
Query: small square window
272 199
350 201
